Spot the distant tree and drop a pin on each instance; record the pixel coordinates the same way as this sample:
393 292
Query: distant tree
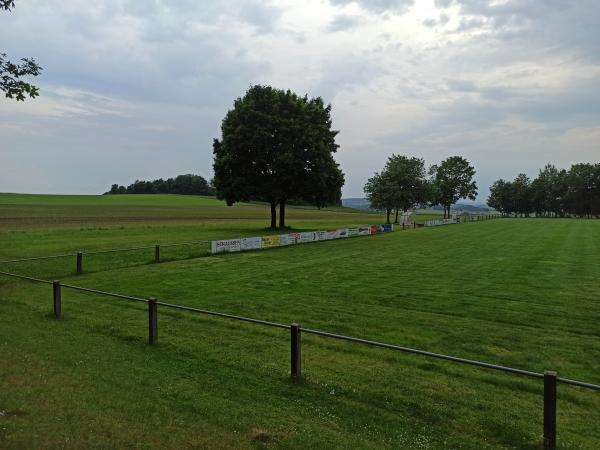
554 192
521 187
182 184
277 147
583 184
380 193
547 191
501 196
406 179
10 73
452 180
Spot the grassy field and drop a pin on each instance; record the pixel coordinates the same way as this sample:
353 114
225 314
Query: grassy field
517 292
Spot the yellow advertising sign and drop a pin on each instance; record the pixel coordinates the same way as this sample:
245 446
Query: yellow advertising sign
271 241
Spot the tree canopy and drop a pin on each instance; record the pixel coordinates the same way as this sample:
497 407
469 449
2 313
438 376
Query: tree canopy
380 192
452 180
277 147
182 184
554 192
11 73
401 185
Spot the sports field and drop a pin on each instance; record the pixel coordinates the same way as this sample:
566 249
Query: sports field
517 292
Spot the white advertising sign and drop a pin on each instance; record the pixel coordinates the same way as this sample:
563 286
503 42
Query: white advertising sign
341 233
226 246
251 243
307 237
364 231
353 232
330 234
321 235
287 239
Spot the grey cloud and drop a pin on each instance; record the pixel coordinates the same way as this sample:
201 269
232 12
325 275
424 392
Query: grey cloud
432 22
161 57
344 22
461 85
379 6
467 24
263 16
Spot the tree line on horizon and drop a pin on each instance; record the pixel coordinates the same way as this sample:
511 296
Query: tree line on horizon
553 193
188 184
404 183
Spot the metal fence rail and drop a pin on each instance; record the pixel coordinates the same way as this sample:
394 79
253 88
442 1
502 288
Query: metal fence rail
110 250
79 254
550 378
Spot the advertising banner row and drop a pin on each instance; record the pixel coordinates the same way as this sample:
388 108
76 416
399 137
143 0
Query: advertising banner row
260 242
438 222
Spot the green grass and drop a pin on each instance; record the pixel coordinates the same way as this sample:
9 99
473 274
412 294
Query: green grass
522 293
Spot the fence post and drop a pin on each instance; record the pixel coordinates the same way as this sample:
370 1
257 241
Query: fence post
152 322
79 262
296 352
157 253
57 299
549 410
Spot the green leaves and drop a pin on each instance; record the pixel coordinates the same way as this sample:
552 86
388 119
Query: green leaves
553 193
7 4
402 184
10 73
453 180
277 146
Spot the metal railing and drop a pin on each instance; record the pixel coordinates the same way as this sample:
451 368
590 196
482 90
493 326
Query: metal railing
550 378
80 254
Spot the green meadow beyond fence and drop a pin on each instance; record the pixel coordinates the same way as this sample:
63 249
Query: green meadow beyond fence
549 378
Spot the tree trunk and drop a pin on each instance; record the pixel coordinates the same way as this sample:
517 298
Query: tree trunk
388 211
273 215
282 214
396 221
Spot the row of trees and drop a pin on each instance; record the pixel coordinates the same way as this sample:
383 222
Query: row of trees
553 193
183 184
404 184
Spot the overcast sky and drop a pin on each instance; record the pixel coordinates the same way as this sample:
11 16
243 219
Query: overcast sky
137 89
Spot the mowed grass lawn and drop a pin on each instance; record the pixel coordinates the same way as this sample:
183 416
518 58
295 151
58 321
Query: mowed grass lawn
517 292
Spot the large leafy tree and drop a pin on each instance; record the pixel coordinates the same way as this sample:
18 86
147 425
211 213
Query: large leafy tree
452 180
548 191
407 182
11 74
583 185
277 147
522 194
380 193
501 196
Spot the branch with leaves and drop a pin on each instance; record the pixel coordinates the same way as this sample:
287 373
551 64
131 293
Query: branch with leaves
6 5
10 73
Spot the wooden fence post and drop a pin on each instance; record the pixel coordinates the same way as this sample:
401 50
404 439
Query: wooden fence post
296 351
549 410
152 321
157 253
79 262
56 299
